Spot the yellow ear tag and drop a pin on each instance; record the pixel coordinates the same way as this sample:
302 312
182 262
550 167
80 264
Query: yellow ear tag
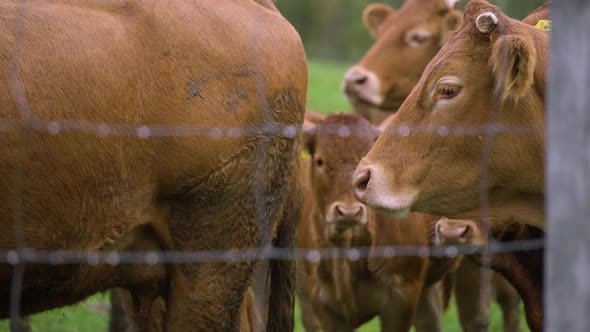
544 25
304 154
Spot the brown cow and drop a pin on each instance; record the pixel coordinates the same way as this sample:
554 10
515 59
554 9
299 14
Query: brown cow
347 293
132 124
524 269
406 40
477 113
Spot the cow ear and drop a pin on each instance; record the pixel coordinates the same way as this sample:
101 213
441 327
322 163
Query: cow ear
309 129
452 4
375 16
452 21
514 59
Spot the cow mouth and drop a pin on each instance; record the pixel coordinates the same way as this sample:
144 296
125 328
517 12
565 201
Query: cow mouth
386 106
343 225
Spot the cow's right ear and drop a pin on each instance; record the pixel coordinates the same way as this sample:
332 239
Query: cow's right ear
375 16
308 136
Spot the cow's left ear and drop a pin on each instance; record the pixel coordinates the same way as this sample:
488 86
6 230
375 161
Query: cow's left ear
374 17
514 58
452 4
452 21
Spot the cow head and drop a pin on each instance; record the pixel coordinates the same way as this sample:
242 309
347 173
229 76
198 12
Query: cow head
336 145
474 123
406 40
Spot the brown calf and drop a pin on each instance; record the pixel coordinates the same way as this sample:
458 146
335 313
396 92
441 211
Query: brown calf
476 113
347 293
138 124
406 40
523 269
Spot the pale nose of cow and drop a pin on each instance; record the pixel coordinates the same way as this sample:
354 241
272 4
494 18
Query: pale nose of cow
452 232
360 181
355 77
349 213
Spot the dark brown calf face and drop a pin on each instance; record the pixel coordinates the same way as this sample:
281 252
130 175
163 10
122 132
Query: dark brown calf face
406 40
435 152
336 145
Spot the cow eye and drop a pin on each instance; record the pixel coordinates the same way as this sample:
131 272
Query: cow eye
319 162
446 90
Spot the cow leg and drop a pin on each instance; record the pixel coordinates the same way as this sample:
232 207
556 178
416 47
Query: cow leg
429 309
20 324
207 297
509 302
310 321
121 311
399 314
333 322
473 296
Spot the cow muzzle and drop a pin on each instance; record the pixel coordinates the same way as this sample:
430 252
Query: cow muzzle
454 232
370 185
362 86
345 216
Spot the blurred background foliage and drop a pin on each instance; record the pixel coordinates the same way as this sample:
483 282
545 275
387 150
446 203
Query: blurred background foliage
333 29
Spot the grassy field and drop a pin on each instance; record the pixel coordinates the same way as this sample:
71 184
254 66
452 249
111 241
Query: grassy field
325 96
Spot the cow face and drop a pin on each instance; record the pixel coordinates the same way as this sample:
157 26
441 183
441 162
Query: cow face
406 40
474 122
336 145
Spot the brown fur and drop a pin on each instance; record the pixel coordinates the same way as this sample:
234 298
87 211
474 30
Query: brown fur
523 269
447 171
345 294
396 64
180 64
124 319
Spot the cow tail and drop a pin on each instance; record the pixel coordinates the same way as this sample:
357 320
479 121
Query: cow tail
282 275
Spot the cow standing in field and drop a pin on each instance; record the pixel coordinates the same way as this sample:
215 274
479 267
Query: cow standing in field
132 125
489 77
406 40
339 294
524 269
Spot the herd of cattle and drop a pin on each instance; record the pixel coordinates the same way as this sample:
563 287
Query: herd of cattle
147 125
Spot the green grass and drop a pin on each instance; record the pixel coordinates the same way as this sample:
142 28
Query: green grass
324 92
88 316
324 95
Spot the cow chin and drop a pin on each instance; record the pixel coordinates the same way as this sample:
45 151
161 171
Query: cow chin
394 205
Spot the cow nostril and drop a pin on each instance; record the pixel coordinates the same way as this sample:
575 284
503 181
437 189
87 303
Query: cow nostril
338 210
361 80
359 212
465 233
361 182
